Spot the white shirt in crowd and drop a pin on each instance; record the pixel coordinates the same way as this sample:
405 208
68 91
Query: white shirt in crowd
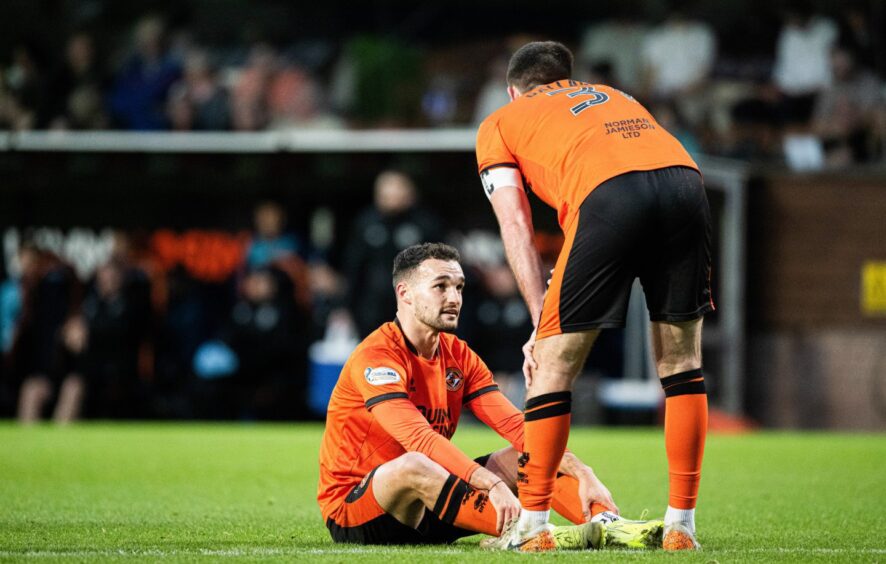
803 55
619 43
679 54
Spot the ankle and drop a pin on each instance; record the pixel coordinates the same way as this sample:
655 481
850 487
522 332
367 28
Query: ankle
531 521
685 517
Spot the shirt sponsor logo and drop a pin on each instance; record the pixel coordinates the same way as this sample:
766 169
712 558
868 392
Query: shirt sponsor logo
439 418
381 375
628 128
454 379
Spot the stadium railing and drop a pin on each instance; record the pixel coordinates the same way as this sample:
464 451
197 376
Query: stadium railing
726 336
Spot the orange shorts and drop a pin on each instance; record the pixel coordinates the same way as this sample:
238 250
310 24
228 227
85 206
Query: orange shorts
359 507
360 519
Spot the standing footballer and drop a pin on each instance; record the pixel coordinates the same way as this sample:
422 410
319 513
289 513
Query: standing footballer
631 203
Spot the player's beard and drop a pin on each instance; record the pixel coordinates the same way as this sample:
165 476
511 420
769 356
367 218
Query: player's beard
435 319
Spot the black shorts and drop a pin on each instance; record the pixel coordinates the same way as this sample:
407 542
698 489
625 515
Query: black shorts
653 225
361 520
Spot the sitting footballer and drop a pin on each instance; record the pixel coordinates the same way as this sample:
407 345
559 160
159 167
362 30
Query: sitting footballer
388 471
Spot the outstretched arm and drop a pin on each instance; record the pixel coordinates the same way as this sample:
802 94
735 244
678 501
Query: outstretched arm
405 423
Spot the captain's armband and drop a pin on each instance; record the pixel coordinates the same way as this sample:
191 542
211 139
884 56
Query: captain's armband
497 176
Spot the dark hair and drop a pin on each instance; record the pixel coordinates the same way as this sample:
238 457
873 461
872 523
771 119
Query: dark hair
539 62
410 258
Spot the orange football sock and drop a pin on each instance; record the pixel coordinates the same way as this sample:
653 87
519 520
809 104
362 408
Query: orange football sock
463 506
545 434
686 425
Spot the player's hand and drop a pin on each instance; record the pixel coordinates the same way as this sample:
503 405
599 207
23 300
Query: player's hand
591 490
507 507
529 363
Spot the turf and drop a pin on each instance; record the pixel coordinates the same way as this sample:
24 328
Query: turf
167 492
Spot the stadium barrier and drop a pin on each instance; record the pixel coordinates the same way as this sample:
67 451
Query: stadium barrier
724 339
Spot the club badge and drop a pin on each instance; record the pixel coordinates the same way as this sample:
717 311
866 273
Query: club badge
454 379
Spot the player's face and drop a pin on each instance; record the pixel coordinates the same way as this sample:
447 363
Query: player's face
436 289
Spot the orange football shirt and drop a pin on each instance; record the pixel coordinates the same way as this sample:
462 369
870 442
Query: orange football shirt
568 137
385 368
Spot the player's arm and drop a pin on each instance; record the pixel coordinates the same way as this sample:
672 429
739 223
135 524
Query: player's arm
400 419
514 216
590 489
503 185
511 208
495 410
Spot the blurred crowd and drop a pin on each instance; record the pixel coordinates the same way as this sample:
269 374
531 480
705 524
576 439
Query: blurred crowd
216 325
816 100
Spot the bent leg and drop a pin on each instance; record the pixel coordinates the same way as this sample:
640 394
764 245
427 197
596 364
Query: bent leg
678 360
547 415
412 486
405 486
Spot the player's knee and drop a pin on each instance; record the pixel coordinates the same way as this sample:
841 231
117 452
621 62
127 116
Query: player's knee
420 474
562 356
416 468
677 360
677 347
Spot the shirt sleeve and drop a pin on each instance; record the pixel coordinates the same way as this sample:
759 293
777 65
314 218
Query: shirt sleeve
400 419
491 149
495 410
485 400
379 376
498 166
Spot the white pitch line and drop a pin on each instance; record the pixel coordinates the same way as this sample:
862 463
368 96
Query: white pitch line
267 551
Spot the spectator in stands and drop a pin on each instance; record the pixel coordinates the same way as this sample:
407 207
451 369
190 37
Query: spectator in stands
138 96
75 89
198 101
115 312
295 100
249 104
617 43
803 61
274 246
678 56
394 222
23 88
268 333
493 94
502 323
848 111
271 240
50 298
670 118
859 35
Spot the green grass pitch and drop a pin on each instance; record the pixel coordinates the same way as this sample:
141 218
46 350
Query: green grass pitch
173 492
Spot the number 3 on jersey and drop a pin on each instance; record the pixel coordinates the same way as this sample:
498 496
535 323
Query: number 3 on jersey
597 98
